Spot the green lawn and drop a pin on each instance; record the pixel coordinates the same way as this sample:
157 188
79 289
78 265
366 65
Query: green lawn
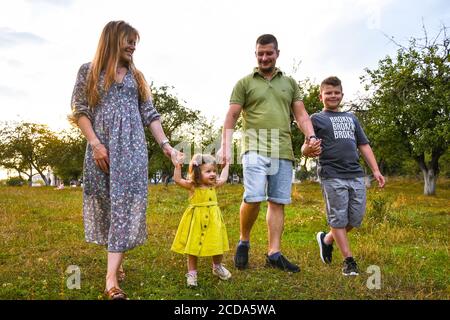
405 233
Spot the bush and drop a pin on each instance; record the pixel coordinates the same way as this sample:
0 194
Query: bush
15 182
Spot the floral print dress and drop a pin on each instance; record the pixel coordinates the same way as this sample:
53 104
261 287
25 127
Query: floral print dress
114 204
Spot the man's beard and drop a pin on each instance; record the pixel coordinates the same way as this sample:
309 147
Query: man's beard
268 69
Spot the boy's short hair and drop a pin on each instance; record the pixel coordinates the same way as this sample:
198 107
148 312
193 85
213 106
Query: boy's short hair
197 161
267 39
331 81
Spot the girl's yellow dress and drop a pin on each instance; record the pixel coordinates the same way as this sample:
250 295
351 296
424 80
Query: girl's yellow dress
201 231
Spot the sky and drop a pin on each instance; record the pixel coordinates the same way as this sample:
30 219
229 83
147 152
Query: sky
201 48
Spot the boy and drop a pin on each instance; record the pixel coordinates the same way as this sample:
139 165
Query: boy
341 176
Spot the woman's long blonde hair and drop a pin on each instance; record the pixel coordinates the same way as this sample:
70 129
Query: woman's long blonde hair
106 59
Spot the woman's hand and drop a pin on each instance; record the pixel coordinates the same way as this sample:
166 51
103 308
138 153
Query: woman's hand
101 158
176 156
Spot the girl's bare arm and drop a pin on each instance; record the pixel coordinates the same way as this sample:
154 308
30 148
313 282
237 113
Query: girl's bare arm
179 179
223 175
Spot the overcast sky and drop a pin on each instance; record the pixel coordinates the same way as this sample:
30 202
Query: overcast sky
201 48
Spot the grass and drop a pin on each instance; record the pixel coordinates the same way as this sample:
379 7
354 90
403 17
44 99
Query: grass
405 233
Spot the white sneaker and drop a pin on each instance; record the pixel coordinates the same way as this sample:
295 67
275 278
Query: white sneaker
221 272
191 280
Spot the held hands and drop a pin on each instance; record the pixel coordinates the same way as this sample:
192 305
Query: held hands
223 156
173 154
177 158
312 148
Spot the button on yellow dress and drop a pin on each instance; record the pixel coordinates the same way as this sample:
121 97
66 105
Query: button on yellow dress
201 231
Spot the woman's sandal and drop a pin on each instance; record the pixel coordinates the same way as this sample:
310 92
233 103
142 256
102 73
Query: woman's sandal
115 294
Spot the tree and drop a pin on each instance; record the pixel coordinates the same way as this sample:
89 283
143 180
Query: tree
393 158
408 110
175 119
26 148
68 155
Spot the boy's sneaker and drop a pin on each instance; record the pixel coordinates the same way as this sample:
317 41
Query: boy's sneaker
350 268
221 272
281 263
326 250
191 280
241 257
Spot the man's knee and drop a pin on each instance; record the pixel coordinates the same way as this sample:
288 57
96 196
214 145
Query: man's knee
275 205
251 208
250 204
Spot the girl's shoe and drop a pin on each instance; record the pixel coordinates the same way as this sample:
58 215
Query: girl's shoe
221 272
191 280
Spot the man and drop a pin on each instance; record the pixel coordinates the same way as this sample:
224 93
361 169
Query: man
266 98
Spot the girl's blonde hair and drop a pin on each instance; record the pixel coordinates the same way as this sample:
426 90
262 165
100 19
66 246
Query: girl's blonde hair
114 35
195 173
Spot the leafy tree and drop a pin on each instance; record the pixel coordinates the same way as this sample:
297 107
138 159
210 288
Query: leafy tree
408 110
68 155
26 148
176 119
444 164
391 159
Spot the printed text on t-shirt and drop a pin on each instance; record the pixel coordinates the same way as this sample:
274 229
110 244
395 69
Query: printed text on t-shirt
343 127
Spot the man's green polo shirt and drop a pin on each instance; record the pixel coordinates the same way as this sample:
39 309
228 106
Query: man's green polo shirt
266 109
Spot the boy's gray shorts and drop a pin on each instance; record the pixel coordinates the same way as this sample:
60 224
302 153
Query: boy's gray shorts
345 201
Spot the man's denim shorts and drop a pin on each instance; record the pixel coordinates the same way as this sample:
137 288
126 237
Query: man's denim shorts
267 178
345 201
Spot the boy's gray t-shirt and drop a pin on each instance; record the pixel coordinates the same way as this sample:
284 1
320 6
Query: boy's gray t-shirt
341 135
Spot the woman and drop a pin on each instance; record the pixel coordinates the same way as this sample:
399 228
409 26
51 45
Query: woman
111 103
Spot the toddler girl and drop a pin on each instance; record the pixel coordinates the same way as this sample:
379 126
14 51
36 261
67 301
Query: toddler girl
201 231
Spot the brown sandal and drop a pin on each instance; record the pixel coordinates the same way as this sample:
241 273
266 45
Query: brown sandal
115 294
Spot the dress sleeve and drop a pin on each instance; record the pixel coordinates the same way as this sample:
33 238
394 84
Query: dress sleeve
148 112
79 102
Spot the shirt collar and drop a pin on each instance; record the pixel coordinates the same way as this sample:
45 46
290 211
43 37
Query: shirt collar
256 72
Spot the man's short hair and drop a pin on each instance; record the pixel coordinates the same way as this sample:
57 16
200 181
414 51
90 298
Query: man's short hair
267 39
331 81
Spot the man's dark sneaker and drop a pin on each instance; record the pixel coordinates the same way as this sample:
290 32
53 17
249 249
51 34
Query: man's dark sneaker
350 268
326 250
282 263
241 257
